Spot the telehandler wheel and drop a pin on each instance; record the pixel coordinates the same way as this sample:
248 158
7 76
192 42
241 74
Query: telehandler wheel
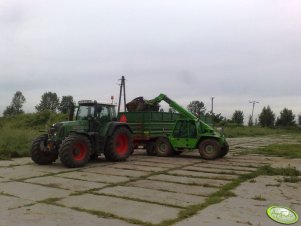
224 150
75 151
119 146
210 149
40 153
151 149
163 147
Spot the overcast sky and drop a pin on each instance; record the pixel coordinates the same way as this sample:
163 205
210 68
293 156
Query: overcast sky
235 50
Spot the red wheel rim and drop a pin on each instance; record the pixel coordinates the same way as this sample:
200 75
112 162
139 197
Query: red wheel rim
122 144
79 152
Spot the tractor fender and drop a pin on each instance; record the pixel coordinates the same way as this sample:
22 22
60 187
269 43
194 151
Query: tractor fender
115 125
218 139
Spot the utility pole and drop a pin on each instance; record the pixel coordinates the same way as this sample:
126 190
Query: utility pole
122 90
212 105
253 102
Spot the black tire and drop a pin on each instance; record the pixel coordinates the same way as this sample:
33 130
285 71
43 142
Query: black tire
39 152
151 149
119 146
210 149
163 147
75 151
94 157
224 149
177 152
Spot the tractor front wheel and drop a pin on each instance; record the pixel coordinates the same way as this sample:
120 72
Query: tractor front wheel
75 151
119 146
40 151
209 149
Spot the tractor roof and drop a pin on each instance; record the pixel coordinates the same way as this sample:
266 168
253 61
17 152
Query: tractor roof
91 102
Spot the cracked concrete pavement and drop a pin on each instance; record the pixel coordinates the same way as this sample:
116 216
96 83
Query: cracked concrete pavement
145 189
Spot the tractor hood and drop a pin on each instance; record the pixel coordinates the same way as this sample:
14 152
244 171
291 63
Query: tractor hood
61 129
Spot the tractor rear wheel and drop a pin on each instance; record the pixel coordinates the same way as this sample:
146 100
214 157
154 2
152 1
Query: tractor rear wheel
119 146
163 147
210 149
40 152
75 151
151 149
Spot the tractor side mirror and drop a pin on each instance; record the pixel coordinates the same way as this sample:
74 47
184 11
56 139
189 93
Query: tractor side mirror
71 112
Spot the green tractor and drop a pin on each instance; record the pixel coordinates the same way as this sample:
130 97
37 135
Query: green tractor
94 131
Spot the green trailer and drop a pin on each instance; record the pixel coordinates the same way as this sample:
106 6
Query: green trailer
165 134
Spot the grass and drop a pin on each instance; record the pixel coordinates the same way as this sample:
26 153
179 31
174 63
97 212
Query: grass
17 132
15 142
280 150
254 131
259 198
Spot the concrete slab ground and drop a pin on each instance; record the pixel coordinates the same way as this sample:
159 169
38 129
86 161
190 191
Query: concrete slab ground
15 162
66 183
162 197
251 203
203 174
31 191
178 188
146 190
189 180
215 165
21 172
11 203
94 177
138 167
117 172
212 170
145 212
49 215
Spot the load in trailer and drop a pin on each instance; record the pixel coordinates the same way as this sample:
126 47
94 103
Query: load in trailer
95 130
165 134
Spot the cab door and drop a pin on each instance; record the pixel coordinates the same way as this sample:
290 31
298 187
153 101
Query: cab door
184 134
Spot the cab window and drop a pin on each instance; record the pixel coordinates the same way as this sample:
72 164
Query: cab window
84 111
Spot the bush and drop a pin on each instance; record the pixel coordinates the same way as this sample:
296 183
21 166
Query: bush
17 132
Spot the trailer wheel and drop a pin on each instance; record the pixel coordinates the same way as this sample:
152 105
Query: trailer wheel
151 149
75 151
163 147
40 153
119 146
224 150
177 152
209 149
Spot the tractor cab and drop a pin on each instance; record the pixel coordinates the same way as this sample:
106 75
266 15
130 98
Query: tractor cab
92 110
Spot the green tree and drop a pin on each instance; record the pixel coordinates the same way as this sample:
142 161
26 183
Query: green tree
266 117
16 105
299 119
196 107
287 118
238 117
49 101
65 104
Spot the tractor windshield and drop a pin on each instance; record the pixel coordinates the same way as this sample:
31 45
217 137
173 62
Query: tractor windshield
84 111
